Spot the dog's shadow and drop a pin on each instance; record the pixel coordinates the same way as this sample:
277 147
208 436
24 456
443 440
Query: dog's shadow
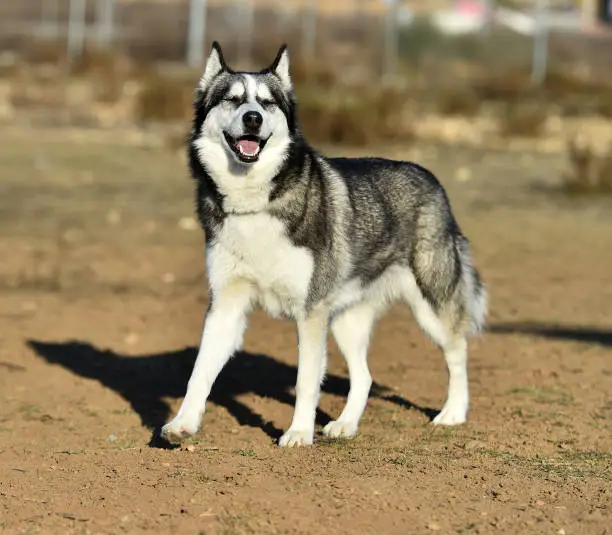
146 381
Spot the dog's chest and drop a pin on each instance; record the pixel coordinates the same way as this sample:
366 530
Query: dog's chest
256 248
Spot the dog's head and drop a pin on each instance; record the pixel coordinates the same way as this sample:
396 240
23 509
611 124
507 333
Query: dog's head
244 121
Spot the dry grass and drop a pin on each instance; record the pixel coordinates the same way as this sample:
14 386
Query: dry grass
164 99
510 87
472 73
523 119
589 173
107 69
44 51
458 100
353 117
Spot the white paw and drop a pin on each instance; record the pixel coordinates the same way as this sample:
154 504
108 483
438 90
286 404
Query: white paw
296 438
178 429
451 415
338 428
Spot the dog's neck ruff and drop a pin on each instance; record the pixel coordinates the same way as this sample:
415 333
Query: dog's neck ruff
245 198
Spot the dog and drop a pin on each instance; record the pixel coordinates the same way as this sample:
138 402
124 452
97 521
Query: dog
327 242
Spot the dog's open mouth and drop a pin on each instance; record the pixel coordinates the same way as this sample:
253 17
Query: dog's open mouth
247 148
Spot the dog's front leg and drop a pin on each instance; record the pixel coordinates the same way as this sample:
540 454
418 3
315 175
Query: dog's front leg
222 335
312 362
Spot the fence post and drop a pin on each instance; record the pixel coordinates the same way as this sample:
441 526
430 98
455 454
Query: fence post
104 23
76 29
540 44
391 45
309 31
488 8
245 40
49 19
196 32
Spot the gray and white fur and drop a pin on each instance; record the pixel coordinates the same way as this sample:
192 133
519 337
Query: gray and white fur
327 242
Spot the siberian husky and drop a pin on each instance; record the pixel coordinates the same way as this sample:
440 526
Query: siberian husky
327 242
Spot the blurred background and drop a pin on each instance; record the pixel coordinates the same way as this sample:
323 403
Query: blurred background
513 67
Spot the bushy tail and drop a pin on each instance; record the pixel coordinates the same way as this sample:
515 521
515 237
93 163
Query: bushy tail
474 291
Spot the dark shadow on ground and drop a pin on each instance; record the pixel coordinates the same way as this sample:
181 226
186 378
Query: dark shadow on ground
559 332
145 381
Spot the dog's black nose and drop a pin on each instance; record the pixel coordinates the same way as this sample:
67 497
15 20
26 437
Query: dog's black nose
252 120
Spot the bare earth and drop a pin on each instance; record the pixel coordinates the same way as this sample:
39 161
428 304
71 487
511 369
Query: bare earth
102 289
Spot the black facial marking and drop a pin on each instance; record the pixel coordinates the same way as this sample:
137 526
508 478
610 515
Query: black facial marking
235 100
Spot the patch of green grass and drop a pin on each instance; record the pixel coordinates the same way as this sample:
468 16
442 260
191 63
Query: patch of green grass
204 478
527 414
232 524
543 395
179 472
34 413
246 452
339 443
125 444
122 411
405 459
73 452
579 465
30 409
433 434
194 440
567 465
602 416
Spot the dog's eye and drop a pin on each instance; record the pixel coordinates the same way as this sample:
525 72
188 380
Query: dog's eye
236 101
267 103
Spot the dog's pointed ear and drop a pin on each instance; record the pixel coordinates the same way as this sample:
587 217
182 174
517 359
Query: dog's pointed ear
214 65
280 67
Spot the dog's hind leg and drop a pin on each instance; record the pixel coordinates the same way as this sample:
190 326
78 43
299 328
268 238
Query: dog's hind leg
450 336
351 330
456 406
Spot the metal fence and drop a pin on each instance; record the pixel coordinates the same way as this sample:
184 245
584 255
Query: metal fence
181 30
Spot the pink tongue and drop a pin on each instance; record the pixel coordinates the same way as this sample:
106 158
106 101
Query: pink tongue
248 146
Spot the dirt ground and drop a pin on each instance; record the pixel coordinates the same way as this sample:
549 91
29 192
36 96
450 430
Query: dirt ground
103 290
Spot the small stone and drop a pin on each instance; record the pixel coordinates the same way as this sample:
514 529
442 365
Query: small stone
132 339
561 532
71 235
433 526
87 177
188 223
190 448
113 217
463 174
169 278
150 227
29 306
112 438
